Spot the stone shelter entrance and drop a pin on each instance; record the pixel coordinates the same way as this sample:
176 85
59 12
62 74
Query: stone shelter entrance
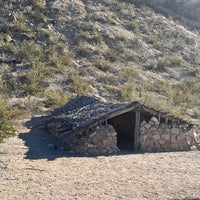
124 125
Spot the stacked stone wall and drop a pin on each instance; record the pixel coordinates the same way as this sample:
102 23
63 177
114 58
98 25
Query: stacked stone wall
100 140
166 137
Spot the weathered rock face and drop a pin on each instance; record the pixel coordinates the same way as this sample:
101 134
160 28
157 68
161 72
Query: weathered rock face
98 141
162 137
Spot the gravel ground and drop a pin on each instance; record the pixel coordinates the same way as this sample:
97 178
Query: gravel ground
30 170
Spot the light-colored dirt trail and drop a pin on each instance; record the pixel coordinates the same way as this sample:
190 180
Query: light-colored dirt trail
30 170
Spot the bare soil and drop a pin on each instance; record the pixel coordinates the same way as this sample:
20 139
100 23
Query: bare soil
30 170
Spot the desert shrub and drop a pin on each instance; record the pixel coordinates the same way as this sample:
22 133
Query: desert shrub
9 83
128 92
106 79
157 102
112 90
35 78
40 15
162 63
79 85
182 96
137 43
103 65
48 36
55 98
8 48
197 71
58 48
61 61
112 55
92 36
28 51
177 61
31 88
6 125
39 69
179 44
196 114
144 27
38 3
166 61
20 24
134 25
160 87
129 73
187 93
156 43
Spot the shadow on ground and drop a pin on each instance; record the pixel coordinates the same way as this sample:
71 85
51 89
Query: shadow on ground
38 139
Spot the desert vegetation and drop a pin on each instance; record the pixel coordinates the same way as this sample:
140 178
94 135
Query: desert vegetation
121 51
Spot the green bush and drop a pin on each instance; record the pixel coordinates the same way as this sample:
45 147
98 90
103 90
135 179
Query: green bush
55 98
6 125
167 61
35 78
186 93
129 73
79 85
61 61
128 92
134 25
103 65
156 43
37 3
28 51
20 24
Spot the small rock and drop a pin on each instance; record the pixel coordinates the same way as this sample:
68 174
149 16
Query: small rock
147 126
50 146
90 146
193 148
161 142
143 123
175 131
155 120
152 123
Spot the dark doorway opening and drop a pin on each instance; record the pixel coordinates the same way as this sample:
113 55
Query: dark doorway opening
124 125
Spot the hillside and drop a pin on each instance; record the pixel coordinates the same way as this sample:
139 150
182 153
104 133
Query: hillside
188 12
120 50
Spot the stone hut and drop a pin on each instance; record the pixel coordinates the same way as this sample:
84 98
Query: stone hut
90 125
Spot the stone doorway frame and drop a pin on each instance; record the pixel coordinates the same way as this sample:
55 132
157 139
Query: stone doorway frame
135 131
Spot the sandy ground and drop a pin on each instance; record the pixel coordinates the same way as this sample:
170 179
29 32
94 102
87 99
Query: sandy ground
30 170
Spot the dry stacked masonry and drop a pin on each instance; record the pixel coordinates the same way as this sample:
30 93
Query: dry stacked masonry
89 125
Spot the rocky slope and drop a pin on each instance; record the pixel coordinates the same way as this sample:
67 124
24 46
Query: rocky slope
121 50
188 12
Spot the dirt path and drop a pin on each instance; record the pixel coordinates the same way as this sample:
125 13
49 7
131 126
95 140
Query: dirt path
30 170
